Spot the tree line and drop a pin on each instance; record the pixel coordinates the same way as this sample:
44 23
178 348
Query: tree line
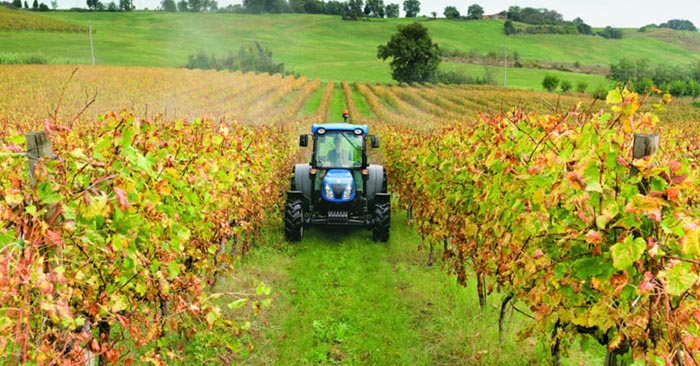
36 6
351 9
641 76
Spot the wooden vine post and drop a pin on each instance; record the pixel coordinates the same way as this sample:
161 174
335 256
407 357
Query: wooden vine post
644 145
39 147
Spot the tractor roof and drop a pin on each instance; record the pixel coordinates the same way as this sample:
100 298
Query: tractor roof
338 127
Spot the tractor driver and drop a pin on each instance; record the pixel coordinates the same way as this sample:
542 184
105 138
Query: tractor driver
339 156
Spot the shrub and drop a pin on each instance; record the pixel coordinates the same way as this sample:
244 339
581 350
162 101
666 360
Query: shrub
581 86
565 86
550 82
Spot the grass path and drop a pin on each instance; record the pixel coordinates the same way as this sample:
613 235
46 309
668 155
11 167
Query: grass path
341 299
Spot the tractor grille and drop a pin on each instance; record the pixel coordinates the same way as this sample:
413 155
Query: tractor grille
338 189
337 217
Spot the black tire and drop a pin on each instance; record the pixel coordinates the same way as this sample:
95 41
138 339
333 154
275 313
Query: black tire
381 222
293 221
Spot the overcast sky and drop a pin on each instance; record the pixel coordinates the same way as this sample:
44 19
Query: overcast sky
597 13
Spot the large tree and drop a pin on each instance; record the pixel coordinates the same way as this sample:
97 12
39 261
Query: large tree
411 8
415 58
392 10
679 24
451 12
168 5
475 11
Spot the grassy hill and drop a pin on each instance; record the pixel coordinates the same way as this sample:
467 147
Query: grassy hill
326 47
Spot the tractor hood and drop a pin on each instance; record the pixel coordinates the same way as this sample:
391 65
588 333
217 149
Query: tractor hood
338 186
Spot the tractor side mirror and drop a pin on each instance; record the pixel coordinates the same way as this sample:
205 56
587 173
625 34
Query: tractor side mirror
375 141
303 140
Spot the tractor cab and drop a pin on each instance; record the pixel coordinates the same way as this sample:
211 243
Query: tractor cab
338 186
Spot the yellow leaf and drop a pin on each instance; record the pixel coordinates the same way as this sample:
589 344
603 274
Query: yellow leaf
691 243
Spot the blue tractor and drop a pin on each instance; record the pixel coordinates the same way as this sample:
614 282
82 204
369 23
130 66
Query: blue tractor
338 186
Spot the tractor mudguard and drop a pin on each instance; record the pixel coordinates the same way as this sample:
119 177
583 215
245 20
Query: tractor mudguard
382 198
375 181
302 180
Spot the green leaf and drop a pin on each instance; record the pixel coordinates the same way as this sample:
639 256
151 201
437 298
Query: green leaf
137 159
237 304
585 268
262 289
626 253
47 195
679 279
173 269
31 210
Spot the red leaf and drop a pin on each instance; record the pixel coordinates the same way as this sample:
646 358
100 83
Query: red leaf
121 196
647 284
54 238
593 237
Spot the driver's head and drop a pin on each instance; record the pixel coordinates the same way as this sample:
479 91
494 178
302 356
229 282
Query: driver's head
337 140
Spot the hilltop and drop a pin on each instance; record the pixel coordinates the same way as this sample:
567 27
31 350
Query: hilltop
325 47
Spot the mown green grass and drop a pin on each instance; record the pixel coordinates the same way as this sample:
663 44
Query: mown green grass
326 47
341 299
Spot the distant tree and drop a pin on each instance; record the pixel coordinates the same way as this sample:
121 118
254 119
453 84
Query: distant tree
679 24
265 6
35 5
354 10
17 4
451 12
54 4
565 86
183 5
392 10
26 6
375 8
582 27
611 33
415 58
257 57
433 14
534 16
111 6
509 28
43 7
213 5
550 82
126 5
411 8
334 7
168 5
195 6
91 4
475 11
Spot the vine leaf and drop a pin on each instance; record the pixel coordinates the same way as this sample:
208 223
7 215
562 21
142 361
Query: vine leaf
626 253
679 278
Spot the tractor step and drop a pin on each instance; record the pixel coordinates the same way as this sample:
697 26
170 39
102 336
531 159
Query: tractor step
337 217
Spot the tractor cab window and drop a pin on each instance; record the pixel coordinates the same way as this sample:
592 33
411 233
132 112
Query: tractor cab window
339 149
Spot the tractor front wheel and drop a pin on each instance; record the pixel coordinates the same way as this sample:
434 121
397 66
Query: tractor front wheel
293 220
381 222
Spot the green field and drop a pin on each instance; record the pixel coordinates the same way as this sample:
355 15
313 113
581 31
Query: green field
328 48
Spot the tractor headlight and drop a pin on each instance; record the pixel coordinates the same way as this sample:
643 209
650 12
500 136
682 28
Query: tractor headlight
347 192
328 190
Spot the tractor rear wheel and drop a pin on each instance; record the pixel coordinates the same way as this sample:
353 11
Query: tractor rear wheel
293 220
381 222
